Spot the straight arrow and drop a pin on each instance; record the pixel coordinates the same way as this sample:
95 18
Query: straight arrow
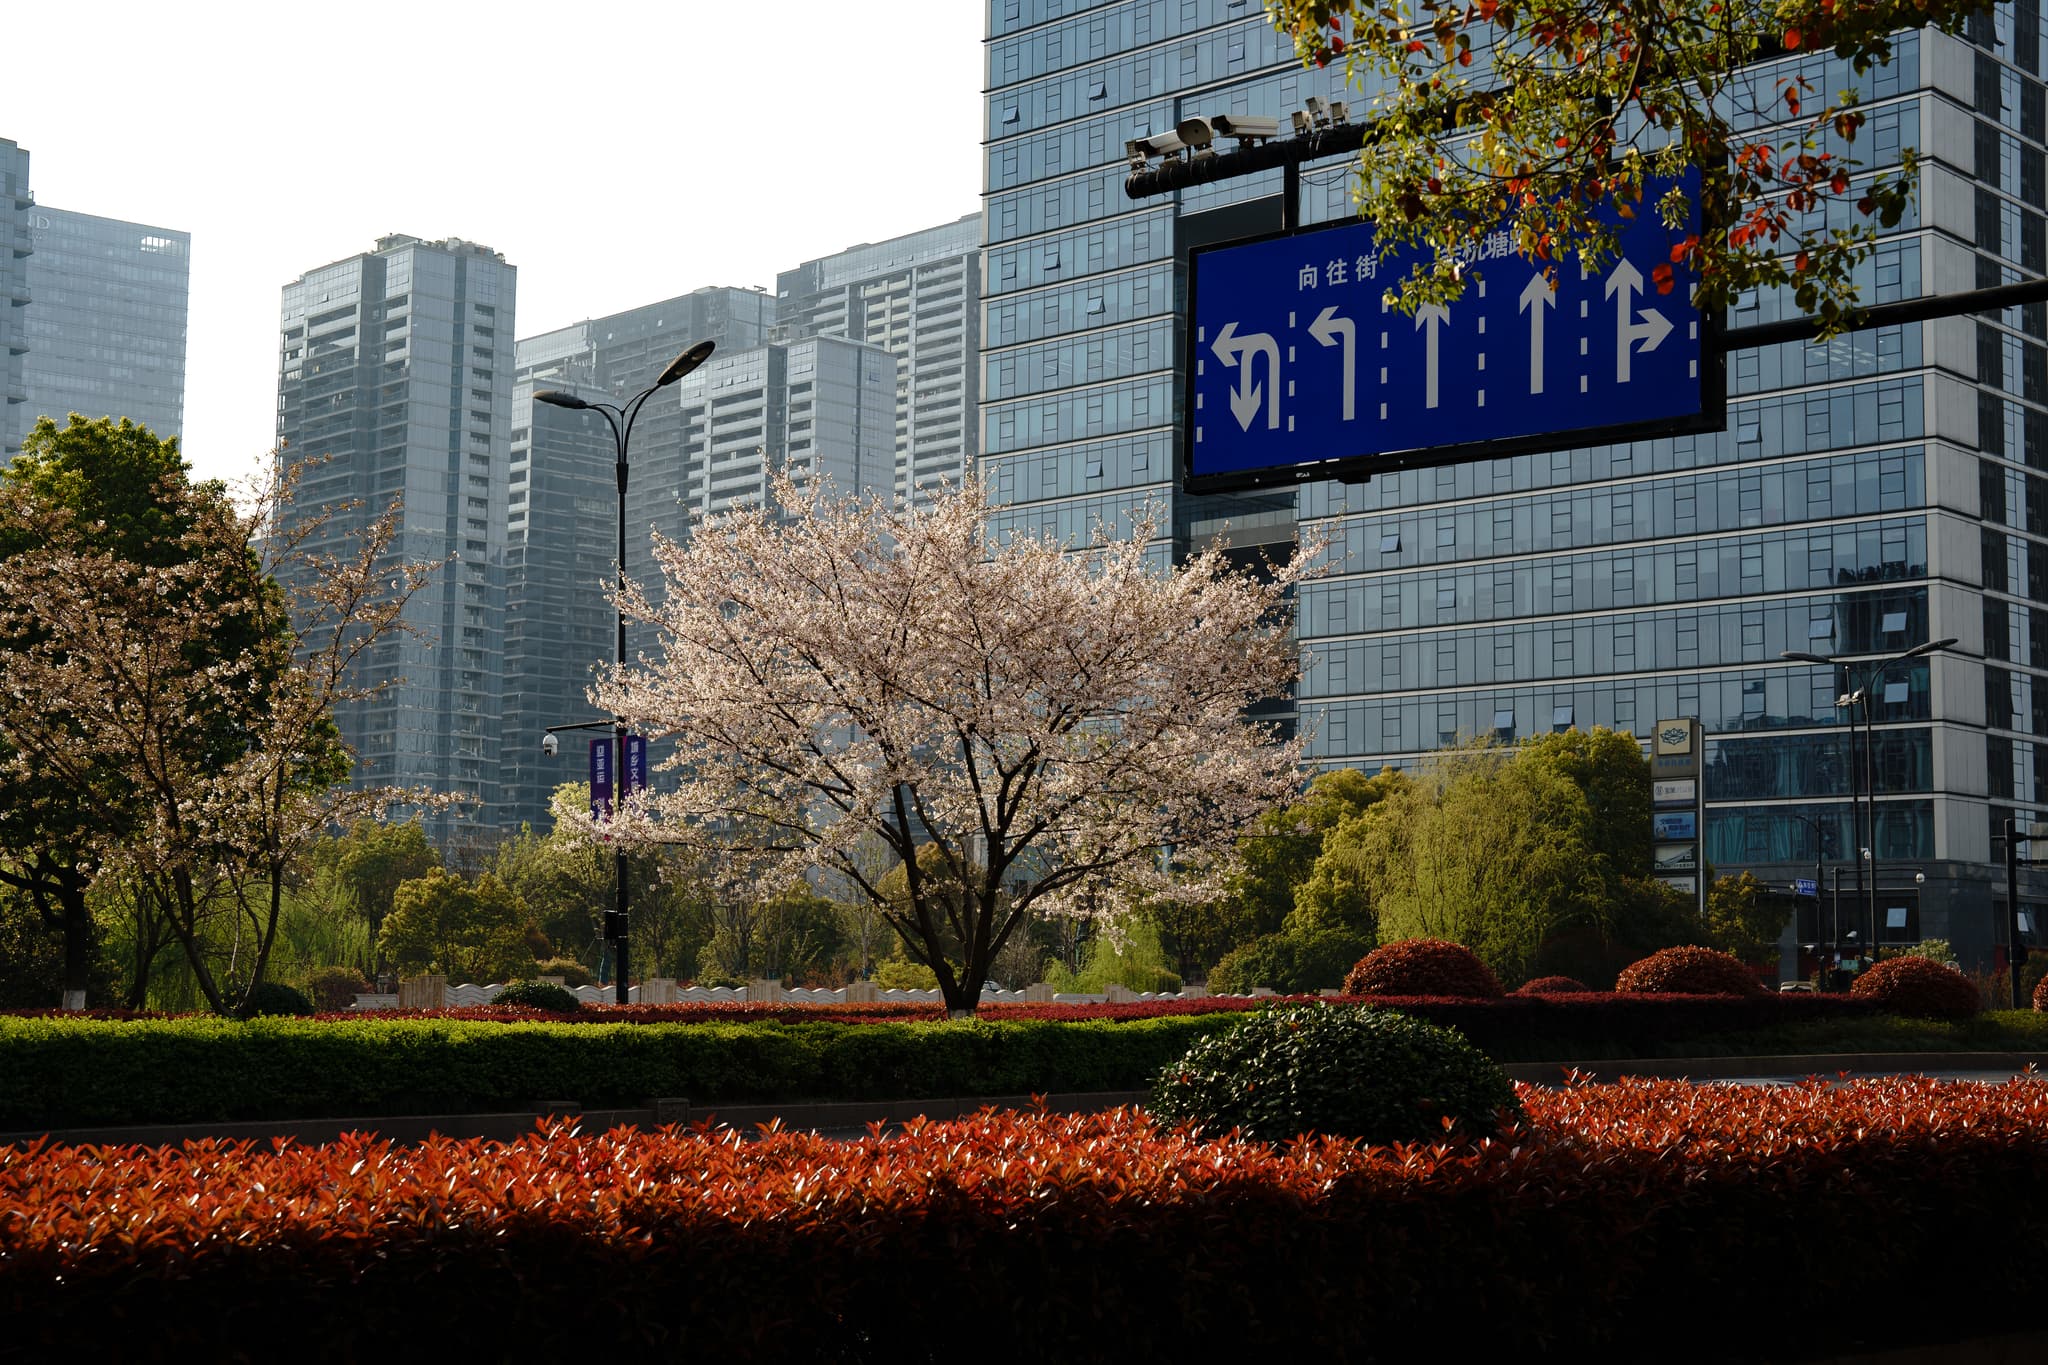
1537 295
1433 316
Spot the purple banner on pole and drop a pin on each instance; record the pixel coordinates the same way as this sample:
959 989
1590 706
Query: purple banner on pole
636 764
600 779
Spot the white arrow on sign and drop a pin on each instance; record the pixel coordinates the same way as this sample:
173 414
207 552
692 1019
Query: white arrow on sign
1328 328
1622 286
1236 350
1537 295
1433 316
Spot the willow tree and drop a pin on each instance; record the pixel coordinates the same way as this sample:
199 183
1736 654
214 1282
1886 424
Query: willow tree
1052 728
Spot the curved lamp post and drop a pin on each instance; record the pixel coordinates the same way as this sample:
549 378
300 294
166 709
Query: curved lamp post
621 419
1860 698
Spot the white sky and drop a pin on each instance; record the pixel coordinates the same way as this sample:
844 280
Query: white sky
616 153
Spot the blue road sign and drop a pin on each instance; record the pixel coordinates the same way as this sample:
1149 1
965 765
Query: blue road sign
634 770
1296 359
600 779
1806 886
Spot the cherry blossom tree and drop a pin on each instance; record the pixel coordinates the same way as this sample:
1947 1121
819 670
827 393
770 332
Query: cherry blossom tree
184 699
1047 725
1559 115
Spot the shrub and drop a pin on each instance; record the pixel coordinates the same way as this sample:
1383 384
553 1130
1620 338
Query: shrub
538 995
1423 966
335 988
883 1248
572 972
2041 995
1688 970
901 974
1553 985
1292 963
1919 988
1338 1070
274 997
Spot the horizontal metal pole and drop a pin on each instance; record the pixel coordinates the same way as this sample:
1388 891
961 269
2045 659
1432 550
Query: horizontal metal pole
1892 314
1177 172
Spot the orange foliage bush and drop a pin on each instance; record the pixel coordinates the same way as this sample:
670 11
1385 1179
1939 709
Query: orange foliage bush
1919 987
1688 970
1423 966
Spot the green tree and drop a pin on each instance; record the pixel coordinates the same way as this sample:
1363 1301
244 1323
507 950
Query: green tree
1745 919
450 926
1485 851
1277 858
374 858
1608 766
1554 119
87 487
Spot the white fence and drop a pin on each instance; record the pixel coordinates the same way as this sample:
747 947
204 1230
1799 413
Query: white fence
434 992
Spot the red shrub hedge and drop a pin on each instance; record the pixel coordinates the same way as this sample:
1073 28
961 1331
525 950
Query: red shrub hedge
1423 966
1688 970
2041 995
1589 1232
1554 985
1919 987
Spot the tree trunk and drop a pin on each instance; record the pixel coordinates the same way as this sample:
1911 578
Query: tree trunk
78 946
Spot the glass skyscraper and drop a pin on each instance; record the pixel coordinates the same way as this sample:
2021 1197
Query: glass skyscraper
92 314
395 373
1869 494
106 320
917 297
562 519
17 240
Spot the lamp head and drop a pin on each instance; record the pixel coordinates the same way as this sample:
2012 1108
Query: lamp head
686 362
555 398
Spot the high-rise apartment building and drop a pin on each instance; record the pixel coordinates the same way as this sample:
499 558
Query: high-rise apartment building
825 407
395 374
92 314
917 297
17 241
562 519
106 320
1878 491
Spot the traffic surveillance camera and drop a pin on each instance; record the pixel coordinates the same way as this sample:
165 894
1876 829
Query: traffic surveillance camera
1159 144
1196 132
1302 122
1245 127
1135 151
1318 111
1340 112
550 746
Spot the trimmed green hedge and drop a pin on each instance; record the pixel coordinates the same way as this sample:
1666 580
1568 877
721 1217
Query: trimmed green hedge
64 1072
58 1071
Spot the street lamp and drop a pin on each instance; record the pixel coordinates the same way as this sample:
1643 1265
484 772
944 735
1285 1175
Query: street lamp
1860 697
621 419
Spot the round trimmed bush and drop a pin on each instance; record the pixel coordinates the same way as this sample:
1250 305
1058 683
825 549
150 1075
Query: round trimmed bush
1340 1070
1688 970
2041 995
538 995
572 972
1423 966
1553 985
274 997
1920 988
